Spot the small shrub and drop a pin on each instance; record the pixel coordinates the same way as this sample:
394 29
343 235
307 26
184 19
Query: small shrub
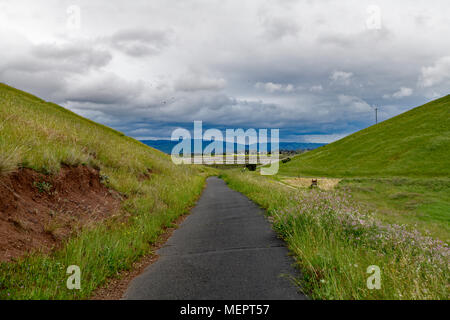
43 186
104 179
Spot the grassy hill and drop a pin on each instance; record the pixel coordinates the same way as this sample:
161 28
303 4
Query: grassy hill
43 136
413 144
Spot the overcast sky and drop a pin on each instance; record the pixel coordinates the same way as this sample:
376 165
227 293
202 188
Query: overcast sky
314 69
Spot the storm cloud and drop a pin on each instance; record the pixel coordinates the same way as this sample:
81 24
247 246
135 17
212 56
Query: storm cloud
316 70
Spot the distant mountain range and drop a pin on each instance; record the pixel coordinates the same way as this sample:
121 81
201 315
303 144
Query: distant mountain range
166 146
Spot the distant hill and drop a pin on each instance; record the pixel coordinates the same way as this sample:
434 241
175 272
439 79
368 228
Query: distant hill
415 143
166 146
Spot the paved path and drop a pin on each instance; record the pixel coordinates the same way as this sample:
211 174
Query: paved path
225 249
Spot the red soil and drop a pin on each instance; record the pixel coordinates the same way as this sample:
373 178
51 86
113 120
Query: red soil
38 211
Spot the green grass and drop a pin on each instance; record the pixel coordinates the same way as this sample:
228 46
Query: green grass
421 203
334 241
400 167
43 136
413 144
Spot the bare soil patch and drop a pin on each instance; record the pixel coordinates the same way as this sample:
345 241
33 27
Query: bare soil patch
322 183
37 211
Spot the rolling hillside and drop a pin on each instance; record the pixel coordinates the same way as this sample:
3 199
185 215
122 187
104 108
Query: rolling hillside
413 144
99 197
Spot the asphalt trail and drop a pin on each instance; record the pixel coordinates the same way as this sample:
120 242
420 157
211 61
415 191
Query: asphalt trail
225 249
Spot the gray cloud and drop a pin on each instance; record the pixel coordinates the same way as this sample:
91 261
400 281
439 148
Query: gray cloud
48 69
307 67
341 77
436 74
279 27
70 56
275 87
48 57
197 82
366 38
104 88
140 42
401 93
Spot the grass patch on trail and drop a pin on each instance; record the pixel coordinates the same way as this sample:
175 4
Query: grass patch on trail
43 136
334 242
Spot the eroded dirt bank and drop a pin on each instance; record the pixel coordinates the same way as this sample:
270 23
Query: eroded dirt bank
38 211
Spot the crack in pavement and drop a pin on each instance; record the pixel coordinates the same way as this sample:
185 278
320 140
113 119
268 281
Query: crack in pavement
224 250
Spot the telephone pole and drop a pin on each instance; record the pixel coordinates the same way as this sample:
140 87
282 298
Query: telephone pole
376 115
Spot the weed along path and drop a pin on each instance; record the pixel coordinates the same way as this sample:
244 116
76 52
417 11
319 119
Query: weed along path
225 249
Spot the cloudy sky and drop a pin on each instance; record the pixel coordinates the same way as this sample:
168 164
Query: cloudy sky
314 69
